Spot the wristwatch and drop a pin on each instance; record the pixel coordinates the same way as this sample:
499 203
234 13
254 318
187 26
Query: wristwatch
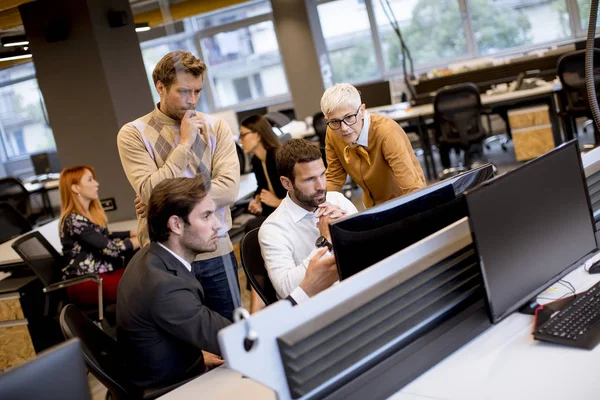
323 242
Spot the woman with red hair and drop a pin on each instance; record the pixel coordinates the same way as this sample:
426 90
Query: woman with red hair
88 247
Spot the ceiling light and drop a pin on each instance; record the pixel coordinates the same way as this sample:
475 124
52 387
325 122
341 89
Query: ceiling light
10 56
142 27
19 40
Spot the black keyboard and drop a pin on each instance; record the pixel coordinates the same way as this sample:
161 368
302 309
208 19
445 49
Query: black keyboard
577 324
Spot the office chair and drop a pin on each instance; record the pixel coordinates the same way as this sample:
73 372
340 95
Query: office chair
47 265
574 99
12 223
457 112
102 355
277 119
14 193
289 112
254 267
55 374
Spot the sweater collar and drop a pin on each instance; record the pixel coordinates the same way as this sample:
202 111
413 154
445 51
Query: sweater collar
162 118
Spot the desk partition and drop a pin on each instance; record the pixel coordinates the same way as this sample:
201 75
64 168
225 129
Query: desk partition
371 334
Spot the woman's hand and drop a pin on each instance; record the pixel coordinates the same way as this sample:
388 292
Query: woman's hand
255 207
135 242
133 233
269 198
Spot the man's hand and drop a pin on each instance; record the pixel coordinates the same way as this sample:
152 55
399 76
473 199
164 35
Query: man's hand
255 207
212 360
323 225
320 274
140 207
269 198
135 242
190 125
330 210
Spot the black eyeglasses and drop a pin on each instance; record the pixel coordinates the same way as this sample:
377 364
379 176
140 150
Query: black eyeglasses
245 133
336 124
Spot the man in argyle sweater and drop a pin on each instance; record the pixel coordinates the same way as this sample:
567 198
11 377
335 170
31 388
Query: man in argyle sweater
176 141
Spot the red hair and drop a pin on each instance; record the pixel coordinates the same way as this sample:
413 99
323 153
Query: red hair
68 203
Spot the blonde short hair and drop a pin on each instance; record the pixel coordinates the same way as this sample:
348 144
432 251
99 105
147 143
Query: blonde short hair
339 95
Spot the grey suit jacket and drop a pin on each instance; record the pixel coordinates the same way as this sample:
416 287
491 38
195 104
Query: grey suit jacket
162 322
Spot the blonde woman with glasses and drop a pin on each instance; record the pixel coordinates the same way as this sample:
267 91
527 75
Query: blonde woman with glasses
373 149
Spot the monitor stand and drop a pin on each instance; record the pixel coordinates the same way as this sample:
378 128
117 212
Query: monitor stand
530 307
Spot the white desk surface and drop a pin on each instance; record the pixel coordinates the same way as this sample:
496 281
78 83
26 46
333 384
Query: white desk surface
503 363
224 383
401 111
50 232
247 185
49 185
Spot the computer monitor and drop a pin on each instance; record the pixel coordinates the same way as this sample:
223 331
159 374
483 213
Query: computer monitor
58 373
531 227
243 114
45 163
375 94
363 239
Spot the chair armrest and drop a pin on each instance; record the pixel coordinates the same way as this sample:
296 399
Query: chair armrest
72 281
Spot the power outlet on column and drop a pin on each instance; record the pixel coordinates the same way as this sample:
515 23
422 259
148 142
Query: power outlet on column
109 204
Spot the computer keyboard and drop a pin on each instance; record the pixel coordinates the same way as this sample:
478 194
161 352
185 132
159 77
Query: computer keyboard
577 324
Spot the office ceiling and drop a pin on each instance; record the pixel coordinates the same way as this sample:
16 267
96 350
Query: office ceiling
148 11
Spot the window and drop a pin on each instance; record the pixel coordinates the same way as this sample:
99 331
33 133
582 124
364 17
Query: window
502 24
233 14
347 33
245 64
584 13
432 30
24 127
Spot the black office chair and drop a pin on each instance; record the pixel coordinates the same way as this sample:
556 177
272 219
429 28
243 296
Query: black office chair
241 158
457 111
254 267
47 265
102 355
12 223
288 112
14 193
574 99
55 374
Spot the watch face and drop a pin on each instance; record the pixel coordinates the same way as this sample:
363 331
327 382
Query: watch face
320 241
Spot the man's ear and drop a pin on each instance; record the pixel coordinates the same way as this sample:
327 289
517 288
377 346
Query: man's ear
286 183
175 225
161 88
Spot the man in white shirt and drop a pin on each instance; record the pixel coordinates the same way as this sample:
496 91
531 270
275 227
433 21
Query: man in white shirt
299 227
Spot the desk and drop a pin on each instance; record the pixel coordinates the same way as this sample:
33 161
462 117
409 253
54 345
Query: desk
247 186
43 188
504 362
499 103
50 231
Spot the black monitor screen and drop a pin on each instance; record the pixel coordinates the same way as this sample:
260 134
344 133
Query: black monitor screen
531 226
363 239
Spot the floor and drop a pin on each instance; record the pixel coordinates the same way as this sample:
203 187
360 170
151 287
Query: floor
503 160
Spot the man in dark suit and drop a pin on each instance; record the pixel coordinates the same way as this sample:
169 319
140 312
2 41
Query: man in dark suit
163 325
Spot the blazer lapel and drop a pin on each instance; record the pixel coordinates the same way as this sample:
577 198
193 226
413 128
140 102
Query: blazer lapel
175 266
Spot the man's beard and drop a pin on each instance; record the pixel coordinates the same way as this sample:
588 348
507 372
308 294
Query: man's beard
310 201
176 113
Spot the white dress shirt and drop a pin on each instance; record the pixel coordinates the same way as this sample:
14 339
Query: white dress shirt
185 263
363 138
287 241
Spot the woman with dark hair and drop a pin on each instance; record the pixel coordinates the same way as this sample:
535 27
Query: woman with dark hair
257 138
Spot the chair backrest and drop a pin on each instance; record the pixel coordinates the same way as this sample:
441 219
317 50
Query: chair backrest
13 192
56 374
100 352
320 127
571 72
40 256
288 112
12 223
254 266
457 111
241 158
277 119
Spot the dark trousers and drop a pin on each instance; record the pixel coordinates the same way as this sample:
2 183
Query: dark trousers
215 275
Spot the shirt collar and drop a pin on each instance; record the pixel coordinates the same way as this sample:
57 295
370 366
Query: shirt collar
363 138
185 263
294 209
